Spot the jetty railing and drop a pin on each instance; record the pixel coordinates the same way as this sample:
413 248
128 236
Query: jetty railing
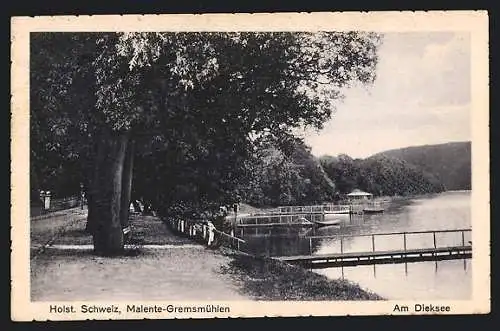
344 208
404 238
264 219
337 208
229 240
309 209
299 209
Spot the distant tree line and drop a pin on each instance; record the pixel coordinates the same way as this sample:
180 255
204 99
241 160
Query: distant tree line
293 176
379 176
450 163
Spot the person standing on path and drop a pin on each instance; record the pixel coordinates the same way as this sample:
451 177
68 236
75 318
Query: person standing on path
211 234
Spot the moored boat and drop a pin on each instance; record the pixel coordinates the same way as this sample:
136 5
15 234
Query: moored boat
373 208
370 210
363 202
327 222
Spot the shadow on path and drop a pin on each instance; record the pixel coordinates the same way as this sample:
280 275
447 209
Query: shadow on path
177 269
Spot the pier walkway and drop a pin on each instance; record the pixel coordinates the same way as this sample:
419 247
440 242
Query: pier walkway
272 219
301 215
403 255
329 208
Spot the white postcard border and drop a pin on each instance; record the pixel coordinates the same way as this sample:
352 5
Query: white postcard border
474 22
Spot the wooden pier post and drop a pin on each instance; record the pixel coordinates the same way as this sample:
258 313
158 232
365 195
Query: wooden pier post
434 238
463 239
310 246
373 243
404 241
341 244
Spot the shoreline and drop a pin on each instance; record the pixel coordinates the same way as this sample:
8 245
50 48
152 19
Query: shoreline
269 279
247 208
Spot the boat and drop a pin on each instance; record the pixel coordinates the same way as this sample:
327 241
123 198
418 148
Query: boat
373 208
328 222
363 202
370 210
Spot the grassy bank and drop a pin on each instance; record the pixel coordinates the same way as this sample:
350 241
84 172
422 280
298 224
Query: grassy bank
269 279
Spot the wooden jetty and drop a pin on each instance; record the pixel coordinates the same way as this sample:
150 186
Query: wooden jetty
329 209
271 225
337 209
380 257
298 209
402 255
274 220
290 218
313 209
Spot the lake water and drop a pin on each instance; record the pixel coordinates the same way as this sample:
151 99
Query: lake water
450 279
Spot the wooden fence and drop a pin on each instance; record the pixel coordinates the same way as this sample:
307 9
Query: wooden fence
199 230
37 209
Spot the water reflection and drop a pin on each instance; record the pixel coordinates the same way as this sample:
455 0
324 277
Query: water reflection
418 280
401 216
445 211
277 241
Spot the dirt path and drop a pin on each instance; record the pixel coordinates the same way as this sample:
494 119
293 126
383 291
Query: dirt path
165 267
45 230
161 265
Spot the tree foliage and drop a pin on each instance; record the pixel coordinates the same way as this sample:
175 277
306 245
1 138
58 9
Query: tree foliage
198 106
61 110
288 177
251 89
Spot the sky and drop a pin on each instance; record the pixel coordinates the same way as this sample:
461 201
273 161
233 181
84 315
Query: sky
421 96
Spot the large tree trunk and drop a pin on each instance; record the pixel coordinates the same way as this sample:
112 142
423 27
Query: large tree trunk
90 226
104 220
127 184
93 187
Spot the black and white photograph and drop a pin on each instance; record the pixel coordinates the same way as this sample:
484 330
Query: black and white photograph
209 172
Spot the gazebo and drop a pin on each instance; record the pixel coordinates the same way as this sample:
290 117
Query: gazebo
358 195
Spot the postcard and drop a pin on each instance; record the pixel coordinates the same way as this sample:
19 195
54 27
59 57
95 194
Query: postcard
250 165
